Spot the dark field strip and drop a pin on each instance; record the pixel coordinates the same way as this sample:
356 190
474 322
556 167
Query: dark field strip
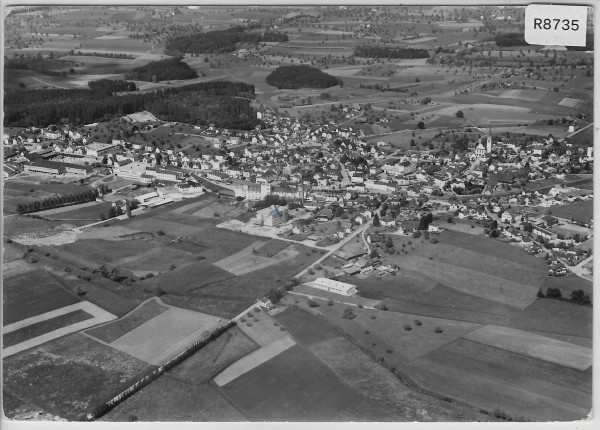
31 294
43 327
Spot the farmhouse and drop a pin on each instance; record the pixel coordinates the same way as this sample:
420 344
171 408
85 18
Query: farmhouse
334 286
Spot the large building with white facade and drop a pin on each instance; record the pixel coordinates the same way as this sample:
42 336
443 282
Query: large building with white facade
333 286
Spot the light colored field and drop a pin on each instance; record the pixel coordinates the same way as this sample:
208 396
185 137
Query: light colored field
245 261
533 345
165 335
15 267
473 282
528 95
569 102
253 360
112 37
99 316
344 71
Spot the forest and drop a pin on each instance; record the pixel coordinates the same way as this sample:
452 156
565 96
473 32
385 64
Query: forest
224 103
163 70
294 77
369 51
111 86
220 41
510 39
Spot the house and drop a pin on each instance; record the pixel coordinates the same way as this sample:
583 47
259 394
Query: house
325 215
333 286
434 228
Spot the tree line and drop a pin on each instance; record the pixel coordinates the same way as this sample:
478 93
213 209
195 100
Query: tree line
57 201
220 41
370 51
111 86
510 39
303 76
162 70
224 103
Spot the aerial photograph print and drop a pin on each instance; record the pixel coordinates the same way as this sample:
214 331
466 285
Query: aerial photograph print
295 213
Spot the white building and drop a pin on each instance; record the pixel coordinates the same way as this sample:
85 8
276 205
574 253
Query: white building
334 286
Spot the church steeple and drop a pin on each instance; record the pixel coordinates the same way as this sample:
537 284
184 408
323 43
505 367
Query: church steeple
489 140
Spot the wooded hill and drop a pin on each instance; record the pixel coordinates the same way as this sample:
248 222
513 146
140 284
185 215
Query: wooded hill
369 51
163 70
294 77
221 41
224 103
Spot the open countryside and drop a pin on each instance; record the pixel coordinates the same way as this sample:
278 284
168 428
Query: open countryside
295 214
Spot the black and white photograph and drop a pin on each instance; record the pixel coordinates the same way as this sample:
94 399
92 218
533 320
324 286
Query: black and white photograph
248 213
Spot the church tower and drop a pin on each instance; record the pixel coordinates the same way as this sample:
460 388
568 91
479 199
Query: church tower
489 141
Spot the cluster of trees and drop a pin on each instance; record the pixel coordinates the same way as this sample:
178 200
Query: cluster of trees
223 103
577 296
109 86
221 41
371 51
34 63
57 201
303 76
510 39
269 200
425 221
163 70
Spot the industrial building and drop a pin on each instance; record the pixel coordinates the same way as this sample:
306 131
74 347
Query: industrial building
332 286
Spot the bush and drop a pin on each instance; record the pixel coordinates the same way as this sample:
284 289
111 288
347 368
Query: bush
553 293
348 314
160 291
311 303
329 302
407 327
418 323
438 329
373 317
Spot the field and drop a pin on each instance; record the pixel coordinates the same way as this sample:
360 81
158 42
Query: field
42 328
213 358
532 345
253 360
249 259
85 212
36 329
32 189
579 211
292 386
462 373
190 277
70 375
163 336
141 314
32 294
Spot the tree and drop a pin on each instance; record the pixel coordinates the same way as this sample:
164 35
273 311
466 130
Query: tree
460 114
553 293
421 125
376 222
348 314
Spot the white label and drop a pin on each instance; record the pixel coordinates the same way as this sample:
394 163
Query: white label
555 25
